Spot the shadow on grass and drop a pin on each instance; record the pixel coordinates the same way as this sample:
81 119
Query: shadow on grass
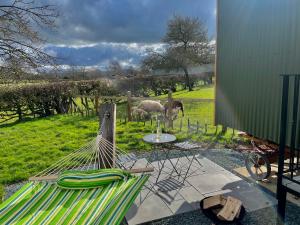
11 124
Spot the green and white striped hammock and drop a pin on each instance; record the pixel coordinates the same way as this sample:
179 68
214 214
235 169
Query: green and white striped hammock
46 203
43 201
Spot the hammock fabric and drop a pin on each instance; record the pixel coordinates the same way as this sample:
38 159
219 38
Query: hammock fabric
90 179
46 203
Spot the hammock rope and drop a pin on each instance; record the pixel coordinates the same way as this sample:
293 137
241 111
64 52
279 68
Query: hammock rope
98 153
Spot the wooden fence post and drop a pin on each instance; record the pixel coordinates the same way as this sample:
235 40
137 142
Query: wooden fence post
108 118
180 126
97 104
170 109
129 106
216 131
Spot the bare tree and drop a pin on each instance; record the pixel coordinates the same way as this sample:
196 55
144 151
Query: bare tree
187 45
114 68
21 23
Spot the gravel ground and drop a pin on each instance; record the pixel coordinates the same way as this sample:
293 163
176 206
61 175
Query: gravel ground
260 217
226 158
11 189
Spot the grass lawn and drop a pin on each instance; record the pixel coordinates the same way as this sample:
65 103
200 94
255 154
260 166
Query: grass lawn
33 145
204 92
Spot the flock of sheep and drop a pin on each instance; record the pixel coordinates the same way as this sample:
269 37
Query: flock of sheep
147 108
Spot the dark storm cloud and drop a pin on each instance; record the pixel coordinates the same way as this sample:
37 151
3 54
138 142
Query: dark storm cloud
93 32
99 55
124 20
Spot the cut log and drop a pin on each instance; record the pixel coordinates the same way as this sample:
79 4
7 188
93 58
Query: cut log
238 213
231 209
44 178
214 201
141 170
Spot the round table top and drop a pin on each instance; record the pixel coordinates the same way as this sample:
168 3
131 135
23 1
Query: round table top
163 138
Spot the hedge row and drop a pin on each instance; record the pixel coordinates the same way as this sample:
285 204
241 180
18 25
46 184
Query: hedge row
142 86
46 99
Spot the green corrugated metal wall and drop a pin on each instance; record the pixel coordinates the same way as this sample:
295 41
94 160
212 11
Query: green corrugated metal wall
256 41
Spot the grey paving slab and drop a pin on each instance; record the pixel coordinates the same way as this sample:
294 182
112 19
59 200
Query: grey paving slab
170 196
180 206
252 197
191 194
220 192
209 182
173 195
140 163
209 166
152 208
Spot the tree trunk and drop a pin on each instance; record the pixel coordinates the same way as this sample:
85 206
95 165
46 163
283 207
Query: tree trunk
187 79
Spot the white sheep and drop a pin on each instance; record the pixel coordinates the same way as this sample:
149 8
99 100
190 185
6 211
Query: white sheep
151 106
139 114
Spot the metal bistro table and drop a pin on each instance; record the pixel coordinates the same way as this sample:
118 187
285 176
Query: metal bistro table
161 139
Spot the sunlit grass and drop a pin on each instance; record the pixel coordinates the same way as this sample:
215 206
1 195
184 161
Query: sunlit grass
204 92
33 145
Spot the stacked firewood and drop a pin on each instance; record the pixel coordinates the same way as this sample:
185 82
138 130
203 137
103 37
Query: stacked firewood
229 209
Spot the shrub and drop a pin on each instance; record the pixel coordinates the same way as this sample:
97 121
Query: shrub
46 99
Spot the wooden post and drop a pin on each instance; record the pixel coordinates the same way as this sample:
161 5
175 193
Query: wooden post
108 118
224 129
129 106
170 109
180 126
97 104
197 126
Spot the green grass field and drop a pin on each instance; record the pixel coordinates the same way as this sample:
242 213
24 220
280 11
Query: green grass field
204 92
31 146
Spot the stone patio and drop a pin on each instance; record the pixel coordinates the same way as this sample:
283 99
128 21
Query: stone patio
270 183
173 195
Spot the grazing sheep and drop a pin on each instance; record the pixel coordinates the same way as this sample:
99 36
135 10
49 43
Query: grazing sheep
139 114
151 106
175 113
176 104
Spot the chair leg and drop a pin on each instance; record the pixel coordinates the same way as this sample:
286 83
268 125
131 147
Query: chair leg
188 169
124 222
190 164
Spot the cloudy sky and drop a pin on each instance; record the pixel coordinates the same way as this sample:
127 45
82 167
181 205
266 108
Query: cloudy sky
93 32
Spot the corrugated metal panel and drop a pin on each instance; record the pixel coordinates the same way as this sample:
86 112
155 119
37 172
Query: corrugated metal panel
257 41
